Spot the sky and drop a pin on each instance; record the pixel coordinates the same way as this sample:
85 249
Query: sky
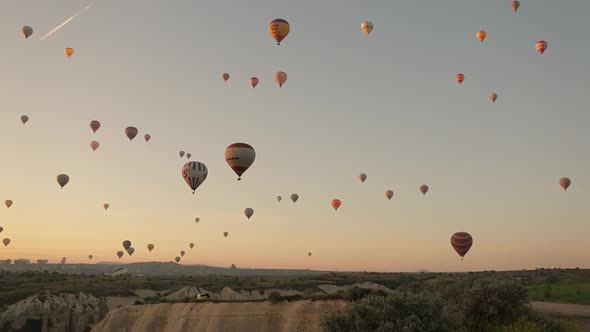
386 105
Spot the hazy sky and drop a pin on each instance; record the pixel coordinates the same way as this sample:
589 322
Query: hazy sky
387 105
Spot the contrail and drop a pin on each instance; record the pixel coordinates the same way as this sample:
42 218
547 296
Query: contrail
70 19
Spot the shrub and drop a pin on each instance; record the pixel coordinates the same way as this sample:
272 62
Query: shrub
275 297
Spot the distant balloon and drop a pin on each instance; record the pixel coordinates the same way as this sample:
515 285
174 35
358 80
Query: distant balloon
294 198
126 244
188 156
254 81
240 156
130 251
515 5
367 27
106 206
147 137
225 77
94 145
248 212
63 260
177 259
225 234
389 194
336 203
181 153
279 198
279 29
565 183
27 31
461 242
24 119
119 254
131 132
191 245
309 254
493 97
69 51
423 189
481 35
150 247
62 180
541 46
6 242
182 253
8 203
90 257
362 177
1 229
459 78
94 125
280 78
197 220
194 174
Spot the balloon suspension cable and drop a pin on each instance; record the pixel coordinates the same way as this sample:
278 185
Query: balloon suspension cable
239 179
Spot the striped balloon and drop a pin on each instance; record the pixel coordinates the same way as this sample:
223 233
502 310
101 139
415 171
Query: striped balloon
461 242
541 46
240 156
194 173
459 78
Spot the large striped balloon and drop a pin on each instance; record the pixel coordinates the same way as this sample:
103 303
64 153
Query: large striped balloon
461 242
194 173
240 156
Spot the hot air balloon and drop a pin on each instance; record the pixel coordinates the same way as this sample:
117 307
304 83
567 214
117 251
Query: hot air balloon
126 244
336 203
194 173
280 78
367 27
459 78
90 257
279 198
181 153
6 242
493 97
69 51
254 81
225 77
309 254
182 253
1 229
191 245
177 259
119 254
94 145
423 189
27 31
279 29
197 220
147 137
248 212
461 242
240 156
63 179
362 177
131 132
541 46
481 35
565 183
389 194
8 203
130 251
94 125
24 119
150 247
63 260
188 156
225 234
294 198
106 206
515 5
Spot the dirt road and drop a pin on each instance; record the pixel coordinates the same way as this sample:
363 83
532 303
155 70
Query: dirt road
577 312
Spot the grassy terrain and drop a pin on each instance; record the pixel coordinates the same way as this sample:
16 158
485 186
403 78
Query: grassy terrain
578 293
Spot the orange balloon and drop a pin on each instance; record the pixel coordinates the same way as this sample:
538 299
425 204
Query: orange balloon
336 203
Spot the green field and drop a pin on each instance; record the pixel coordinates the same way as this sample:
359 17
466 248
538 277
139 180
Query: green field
578 293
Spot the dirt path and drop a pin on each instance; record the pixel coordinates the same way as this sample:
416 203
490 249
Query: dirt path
579 313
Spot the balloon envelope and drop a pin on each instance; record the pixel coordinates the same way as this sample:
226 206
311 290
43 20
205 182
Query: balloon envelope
254 81
481 35
106 206
389 194
459 78
240 156
493 97
27 31
191 245
280 78
188 156
565 183
225 77
119 254
336 203
367 27
194 174
515 5
225 234
94 125
197 220
131 132
8 203
126 244
177 259
248 212
294 198
69 51
461 242
541 46
94 145
279 29
362 177
423 189
181 153
24 119
150 247
130 251
279 198
63 179
147 137
90 256
6 242
182 253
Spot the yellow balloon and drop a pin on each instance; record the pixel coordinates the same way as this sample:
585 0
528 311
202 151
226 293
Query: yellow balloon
481 35
367 27
69 51
279 29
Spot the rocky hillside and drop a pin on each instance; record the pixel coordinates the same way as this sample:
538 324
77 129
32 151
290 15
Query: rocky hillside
54 312
301 316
